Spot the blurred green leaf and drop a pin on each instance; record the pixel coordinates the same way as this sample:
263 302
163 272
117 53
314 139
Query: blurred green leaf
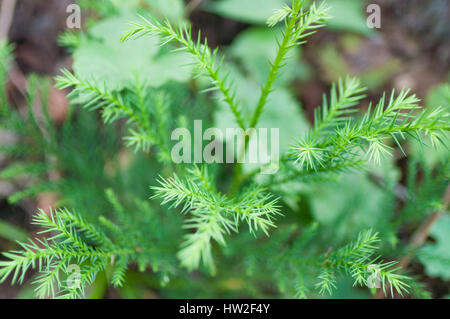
282 111
348 15
438 96
173 10
11 232
255 47
347 199
436 256
250 11
101 57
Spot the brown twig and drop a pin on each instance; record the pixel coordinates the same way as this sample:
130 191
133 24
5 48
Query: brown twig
6 17
420 236
17 78
192 5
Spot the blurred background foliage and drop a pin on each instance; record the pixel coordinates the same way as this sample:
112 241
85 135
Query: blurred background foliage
411 50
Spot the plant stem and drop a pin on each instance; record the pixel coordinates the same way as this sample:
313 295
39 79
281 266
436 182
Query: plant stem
420 236
276 66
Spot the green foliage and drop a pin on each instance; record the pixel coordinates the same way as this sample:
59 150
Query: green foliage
253 47
54 257
349 15
345 15
12 232
436 256
393 118
207 60
5 58
251 11
305 251
73 241
357 259
45 149
214 215
100 57
133 105
299 25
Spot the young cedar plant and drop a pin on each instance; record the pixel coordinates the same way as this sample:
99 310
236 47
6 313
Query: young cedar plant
231 216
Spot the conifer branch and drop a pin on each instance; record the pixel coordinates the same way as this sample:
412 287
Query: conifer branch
67 245
206 59
214 215
357 259
300 24
143 133
393 118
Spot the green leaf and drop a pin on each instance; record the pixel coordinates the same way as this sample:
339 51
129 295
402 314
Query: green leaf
344 204
438 96
102 58
11 232
436 256
250 11
173 10
282 112
348 15
255 47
